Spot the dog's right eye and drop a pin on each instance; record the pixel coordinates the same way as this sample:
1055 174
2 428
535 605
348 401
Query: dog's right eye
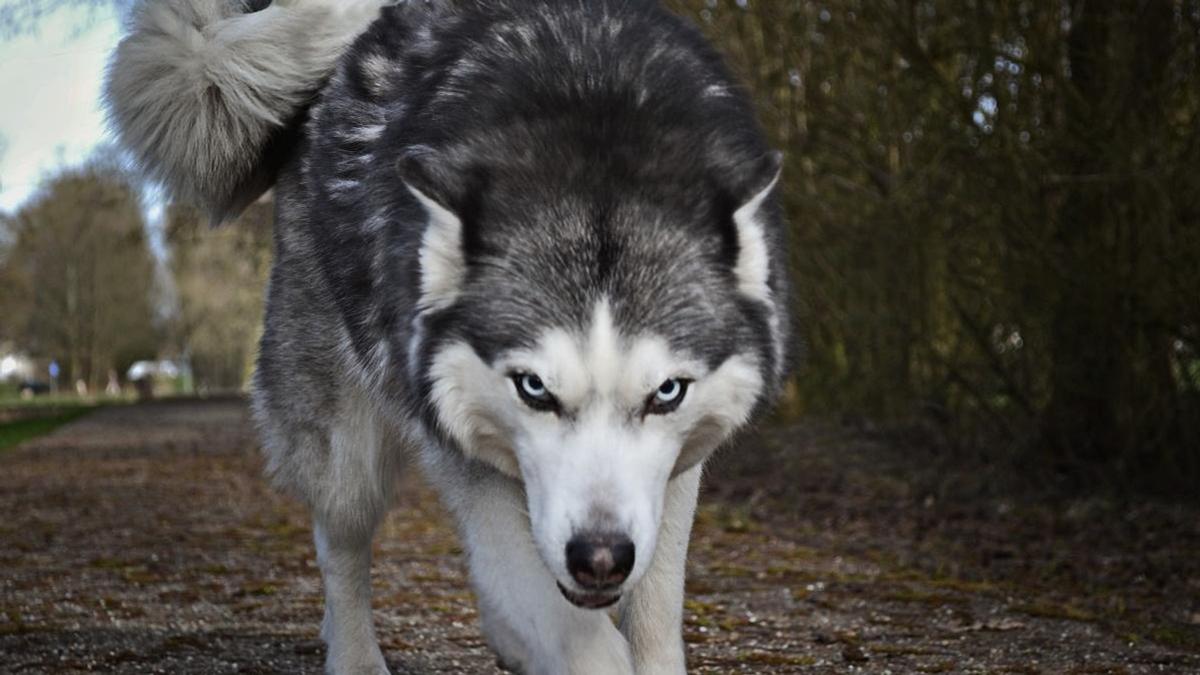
533 392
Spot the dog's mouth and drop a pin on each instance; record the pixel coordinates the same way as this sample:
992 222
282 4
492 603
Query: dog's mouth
589 600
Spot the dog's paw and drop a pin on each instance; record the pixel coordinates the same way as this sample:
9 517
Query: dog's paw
364 661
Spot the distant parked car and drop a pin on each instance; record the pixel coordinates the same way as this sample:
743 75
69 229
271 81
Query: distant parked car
33 388
141 370
16 367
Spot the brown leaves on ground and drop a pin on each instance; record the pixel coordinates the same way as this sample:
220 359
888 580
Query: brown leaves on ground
143 539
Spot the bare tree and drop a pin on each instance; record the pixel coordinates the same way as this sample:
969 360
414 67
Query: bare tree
82 274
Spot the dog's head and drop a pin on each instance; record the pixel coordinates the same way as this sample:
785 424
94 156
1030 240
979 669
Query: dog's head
594 345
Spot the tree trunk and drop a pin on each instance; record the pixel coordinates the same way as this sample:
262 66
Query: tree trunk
1099 344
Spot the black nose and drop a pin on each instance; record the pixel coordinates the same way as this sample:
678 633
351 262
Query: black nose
599 561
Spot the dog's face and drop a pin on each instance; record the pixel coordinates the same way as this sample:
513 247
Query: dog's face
594 382
594 423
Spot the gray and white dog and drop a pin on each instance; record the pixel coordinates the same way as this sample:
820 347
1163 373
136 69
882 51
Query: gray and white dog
533 242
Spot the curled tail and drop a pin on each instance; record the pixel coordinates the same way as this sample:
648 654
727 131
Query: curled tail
200 89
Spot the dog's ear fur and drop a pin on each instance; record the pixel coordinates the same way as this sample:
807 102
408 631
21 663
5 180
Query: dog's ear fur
442 258
426 175
754 185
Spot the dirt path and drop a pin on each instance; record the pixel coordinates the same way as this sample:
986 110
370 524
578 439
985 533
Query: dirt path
142 539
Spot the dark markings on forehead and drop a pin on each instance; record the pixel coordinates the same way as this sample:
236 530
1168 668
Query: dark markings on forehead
659 276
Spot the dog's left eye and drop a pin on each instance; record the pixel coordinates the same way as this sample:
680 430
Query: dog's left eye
668 397
534 393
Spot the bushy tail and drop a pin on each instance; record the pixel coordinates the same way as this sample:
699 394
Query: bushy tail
200 88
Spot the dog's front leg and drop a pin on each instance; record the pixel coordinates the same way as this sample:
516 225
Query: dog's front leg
348 630
525 618
652 614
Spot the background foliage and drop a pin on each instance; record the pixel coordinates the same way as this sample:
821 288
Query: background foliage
994 208
219 276
79 277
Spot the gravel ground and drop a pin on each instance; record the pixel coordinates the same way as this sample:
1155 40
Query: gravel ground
142 539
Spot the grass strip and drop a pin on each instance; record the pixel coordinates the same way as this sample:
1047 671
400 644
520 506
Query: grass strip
19 431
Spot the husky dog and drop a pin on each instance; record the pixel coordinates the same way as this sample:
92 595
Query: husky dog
535 243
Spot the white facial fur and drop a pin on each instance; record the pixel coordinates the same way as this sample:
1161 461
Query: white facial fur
602 464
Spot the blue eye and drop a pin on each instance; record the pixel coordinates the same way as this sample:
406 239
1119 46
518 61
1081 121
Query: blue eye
532 386
669 391
667 397
534 393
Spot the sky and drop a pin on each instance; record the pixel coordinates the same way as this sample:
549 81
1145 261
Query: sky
50 82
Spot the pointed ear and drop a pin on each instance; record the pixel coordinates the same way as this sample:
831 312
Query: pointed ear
753 266
442 258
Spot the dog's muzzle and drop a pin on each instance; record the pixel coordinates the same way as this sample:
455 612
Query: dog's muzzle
589 600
